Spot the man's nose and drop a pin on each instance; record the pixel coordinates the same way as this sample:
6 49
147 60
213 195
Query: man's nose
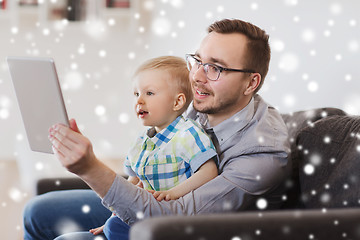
199 75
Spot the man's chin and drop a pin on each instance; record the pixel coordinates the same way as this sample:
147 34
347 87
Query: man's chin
203 109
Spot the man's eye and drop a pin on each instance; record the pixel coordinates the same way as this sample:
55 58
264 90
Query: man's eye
197 61
213 68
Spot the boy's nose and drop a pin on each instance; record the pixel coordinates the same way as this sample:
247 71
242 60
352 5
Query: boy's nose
140 100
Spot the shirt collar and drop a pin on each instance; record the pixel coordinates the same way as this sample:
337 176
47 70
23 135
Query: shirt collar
238 121
165 135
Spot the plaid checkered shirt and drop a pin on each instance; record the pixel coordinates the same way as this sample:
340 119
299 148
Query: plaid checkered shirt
165 159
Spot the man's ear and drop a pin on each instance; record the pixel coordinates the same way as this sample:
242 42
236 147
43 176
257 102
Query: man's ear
179 102
253 84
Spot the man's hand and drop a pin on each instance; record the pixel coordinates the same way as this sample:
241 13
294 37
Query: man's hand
75 152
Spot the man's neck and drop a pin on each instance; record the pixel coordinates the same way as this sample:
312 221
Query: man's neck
217 118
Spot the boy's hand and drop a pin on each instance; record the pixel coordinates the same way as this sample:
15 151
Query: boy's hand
164 195
140 184
97 231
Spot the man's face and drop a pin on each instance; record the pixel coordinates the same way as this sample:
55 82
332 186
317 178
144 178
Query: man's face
225 96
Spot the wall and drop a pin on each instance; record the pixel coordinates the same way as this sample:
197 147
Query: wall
315 63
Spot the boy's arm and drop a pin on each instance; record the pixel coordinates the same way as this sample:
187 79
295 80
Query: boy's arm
136 181
133 179
205 173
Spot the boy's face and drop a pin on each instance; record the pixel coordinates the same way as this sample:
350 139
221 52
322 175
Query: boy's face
154 98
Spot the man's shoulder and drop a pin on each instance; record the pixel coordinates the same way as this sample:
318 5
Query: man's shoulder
266 115
265 131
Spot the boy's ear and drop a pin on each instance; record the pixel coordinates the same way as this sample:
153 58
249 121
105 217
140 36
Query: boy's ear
179 102
253 84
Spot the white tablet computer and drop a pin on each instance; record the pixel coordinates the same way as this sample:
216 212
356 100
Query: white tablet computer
39 97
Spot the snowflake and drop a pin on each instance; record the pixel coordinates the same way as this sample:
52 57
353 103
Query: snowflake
100 110
315 159
85 209
140 215
309 169
124 118
288 62
161 26
325 198
313 86
236 238
66 225
261 203
189 230
308 35
327 139
291 2
336 8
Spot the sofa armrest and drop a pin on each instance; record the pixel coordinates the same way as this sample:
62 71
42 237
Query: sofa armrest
55 184
306 224
45 185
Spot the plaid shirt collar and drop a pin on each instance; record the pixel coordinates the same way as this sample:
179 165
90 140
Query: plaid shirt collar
165 135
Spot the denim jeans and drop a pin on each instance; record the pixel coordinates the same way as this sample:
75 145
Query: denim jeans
70 215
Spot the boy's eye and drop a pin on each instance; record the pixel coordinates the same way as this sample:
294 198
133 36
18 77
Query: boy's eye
149 93
136 94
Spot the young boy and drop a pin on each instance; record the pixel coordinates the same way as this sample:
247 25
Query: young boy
174 156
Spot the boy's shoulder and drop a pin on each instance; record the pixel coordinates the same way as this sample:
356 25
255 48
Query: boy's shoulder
188 124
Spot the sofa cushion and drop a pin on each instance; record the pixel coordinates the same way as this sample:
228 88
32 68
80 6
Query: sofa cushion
295 123
329 163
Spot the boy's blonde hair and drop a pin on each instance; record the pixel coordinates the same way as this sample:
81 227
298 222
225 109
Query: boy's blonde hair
177 69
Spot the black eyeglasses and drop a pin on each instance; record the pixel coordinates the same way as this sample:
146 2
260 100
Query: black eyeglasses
212 71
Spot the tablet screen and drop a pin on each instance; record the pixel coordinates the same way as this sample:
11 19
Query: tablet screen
39 98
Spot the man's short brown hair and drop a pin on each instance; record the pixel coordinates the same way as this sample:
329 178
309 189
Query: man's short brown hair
176 68
258 48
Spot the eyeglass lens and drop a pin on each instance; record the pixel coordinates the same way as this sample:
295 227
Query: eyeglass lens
211 71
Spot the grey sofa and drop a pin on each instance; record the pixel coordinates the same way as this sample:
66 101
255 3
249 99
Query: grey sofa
322 198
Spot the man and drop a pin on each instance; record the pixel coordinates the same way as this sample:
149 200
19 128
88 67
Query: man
249 135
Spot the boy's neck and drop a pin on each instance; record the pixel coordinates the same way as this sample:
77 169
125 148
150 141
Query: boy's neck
159 129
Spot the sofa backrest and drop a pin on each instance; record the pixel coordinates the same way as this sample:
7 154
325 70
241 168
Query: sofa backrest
325 153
